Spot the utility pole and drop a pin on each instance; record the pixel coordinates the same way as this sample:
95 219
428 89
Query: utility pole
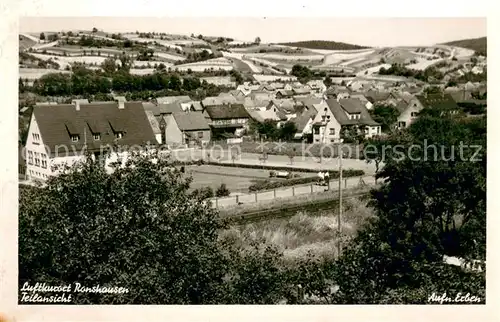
340 198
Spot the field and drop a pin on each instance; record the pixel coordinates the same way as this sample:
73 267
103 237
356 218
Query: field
216 64
35 73
236 179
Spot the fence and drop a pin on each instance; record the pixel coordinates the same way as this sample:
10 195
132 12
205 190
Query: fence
288 192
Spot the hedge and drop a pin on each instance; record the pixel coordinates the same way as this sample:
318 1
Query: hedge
268 185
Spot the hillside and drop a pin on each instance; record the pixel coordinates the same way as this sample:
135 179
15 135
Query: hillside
324 44
476 44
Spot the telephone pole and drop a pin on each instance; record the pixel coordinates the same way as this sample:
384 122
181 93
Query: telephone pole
340 198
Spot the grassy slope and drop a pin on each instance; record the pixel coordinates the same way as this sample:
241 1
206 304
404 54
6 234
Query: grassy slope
476 44
303 232
323 44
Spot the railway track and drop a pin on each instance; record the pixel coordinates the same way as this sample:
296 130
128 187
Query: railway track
290 210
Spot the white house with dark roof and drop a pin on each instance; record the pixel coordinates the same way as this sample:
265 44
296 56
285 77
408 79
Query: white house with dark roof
61 134
335 115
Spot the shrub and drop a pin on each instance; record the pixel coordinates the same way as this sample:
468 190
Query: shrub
268 185
222 191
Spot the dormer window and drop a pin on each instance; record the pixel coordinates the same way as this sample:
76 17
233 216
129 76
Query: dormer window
75 138
119 135
97 136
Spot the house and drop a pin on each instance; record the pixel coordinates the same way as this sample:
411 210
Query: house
304 124
306 90
283 93
286 106
238 94
229 119
325 127
338 92
155 126
339 117
376 96
261 95
368 105
196 107
189 128
316 86
218 100
62 133
246 88
172 99
409 112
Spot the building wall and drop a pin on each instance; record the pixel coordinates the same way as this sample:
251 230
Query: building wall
372 131
414 106
205 138
324 135
172 132
37 157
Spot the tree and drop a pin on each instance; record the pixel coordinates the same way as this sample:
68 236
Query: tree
427 207
385 115
222 191
257 40
287 131
94 30
328 81
42 36
136 221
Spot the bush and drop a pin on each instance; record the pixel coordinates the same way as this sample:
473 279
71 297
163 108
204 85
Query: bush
222 191
268 185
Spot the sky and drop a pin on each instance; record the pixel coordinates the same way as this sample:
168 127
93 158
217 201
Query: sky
361 31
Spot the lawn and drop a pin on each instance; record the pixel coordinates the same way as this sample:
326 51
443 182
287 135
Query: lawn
236 179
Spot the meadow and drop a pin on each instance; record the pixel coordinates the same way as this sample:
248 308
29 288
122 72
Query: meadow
303 232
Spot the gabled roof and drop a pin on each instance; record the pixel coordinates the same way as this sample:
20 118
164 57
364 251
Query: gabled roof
351 105
376 96
301 90
172 99
197 106
153 121
231 111
302 120
440 101
190 121
169 108
284 92
218 100
56 121
341 116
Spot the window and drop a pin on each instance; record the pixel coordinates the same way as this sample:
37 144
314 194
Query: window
325 109
323 118
328 117
332 131
200 134
37 159
97 137
316 130
317 140
30 157
414 114
119 135
44 164
74 138
332 140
